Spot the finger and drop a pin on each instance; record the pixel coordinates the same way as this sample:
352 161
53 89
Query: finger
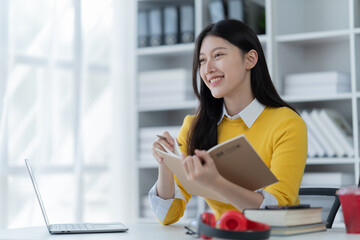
165 142
157 157
163 145
197 165
204 156
157 145
169 138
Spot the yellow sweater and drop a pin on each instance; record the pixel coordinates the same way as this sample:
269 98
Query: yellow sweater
279 136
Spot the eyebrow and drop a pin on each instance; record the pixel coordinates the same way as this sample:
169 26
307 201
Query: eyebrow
217 48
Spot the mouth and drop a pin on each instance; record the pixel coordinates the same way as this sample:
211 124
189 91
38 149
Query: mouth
215 80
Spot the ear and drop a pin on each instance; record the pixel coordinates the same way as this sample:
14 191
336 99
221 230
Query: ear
251 59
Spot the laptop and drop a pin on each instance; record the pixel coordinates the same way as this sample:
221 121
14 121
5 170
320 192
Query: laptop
73 227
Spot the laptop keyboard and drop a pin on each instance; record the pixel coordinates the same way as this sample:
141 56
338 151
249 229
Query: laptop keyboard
72 227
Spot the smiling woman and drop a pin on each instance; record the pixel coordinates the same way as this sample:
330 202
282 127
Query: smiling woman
236 97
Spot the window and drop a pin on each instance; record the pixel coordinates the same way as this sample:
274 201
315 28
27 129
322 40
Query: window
57 109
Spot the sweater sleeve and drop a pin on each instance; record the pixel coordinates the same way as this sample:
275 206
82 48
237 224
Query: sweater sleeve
288 159
160 206
170 211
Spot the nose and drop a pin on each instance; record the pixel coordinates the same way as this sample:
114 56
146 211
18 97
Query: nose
209 66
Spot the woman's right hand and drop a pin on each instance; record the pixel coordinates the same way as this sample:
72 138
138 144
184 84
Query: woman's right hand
168 142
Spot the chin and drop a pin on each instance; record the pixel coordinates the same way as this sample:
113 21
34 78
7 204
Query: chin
217 95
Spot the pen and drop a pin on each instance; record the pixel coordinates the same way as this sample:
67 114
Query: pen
164 138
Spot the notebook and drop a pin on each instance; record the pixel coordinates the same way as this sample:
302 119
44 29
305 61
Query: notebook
235 159
73 227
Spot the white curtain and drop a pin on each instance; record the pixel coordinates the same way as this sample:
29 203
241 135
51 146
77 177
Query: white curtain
66 105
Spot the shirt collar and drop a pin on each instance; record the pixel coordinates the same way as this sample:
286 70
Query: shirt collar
248 114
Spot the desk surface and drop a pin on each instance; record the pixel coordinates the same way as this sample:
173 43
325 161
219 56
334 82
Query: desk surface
153 231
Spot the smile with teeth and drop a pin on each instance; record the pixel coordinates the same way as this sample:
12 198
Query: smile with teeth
215 79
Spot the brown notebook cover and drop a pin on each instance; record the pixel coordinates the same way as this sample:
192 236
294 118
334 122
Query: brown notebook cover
235 159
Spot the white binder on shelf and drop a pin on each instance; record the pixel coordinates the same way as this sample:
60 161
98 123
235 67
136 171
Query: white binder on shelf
311 149
327 133
317 134
339 128
320 152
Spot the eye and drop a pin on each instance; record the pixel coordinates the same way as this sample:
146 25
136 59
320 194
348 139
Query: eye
201 60
218 55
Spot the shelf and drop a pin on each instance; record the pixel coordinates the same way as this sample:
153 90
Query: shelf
179 48
166 50
340 96
315 37
317 161
168 106
302 36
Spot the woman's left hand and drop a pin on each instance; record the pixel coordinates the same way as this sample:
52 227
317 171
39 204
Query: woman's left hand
200 168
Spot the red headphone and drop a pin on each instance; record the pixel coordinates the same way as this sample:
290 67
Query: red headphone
232 225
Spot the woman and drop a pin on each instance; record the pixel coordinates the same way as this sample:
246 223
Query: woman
236 97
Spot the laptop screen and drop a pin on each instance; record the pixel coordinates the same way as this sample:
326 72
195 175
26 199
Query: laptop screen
37 191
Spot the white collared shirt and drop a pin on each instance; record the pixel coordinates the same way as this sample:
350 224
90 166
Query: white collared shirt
249 115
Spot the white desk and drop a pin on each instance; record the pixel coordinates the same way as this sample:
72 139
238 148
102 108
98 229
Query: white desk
153 231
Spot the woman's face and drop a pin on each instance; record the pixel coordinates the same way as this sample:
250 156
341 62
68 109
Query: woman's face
222 68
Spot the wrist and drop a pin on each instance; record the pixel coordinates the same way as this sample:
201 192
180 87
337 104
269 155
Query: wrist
165 171
218 182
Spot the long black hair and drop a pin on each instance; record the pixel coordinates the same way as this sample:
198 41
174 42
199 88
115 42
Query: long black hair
203 132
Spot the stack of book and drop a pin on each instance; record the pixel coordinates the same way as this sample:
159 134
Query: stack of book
329 134
147 135
317 84
288 221
165 86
